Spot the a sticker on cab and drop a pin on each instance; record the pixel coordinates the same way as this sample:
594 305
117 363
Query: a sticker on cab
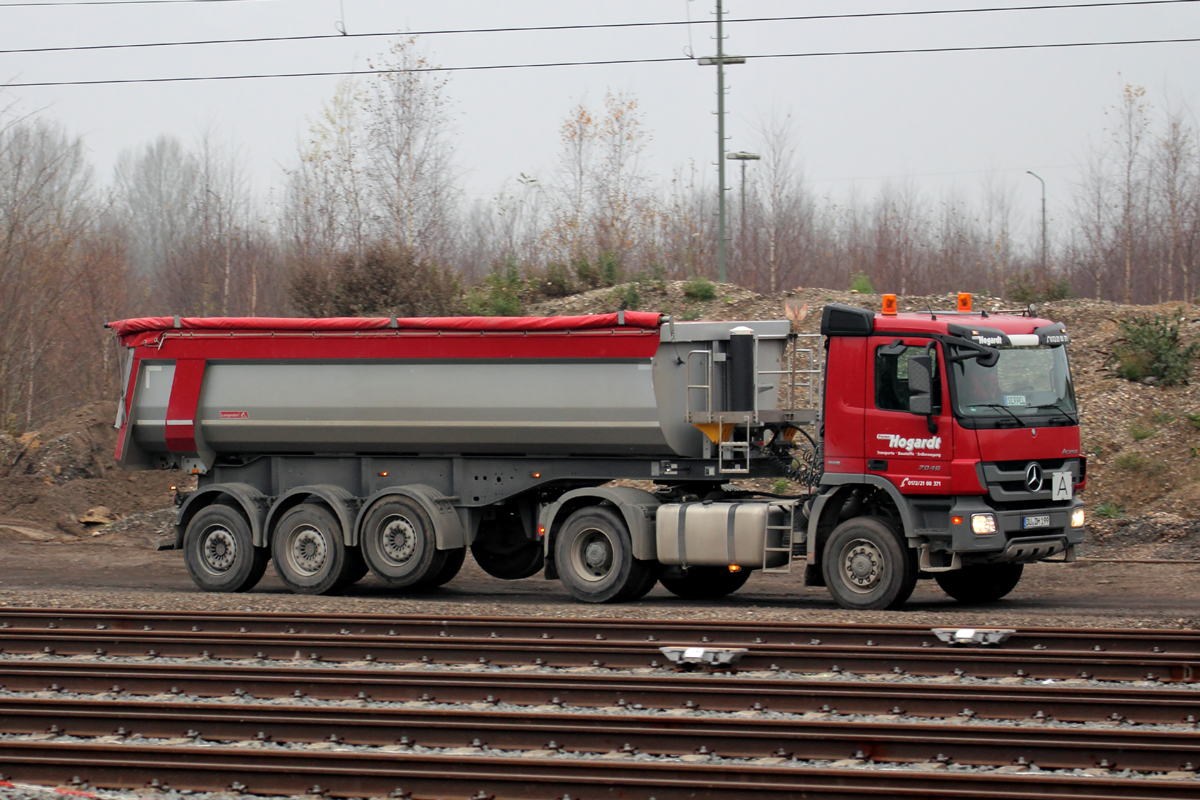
235 415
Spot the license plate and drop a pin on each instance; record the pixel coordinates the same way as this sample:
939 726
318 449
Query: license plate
1038 521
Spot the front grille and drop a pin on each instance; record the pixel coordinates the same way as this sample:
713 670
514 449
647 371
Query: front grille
1005 480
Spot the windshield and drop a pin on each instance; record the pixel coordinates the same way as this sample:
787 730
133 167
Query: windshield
1026 381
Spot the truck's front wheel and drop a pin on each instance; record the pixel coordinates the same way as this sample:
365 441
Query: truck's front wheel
980 583
867 565
219 551
594 556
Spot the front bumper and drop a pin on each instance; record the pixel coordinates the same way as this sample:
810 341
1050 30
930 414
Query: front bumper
1012 541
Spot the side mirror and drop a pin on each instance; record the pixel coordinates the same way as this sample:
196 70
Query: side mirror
920 385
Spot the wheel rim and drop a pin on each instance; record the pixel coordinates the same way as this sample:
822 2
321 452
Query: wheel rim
397 540
307 550
593 554
218 549
861 566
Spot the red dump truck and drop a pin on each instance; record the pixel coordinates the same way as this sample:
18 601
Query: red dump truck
932 444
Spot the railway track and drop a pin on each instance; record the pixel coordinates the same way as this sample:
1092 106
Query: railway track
1037 653
711 693
304 709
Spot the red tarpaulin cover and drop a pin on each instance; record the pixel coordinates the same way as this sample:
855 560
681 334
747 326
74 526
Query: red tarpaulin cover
632 319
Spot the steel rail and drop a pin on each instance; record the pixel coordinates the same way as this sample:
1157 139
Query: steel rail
400 774
715 693
1142 750
673 631
871 658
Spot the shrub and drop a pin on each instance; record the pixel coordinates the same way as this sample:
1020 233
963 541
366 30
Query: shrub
862 285
1194 419
1140 430
699 288
610 269
630 297
1030 287
500 294
780 487
1132 462
691 315
1109 510
555 281
1151 348
383 281
587 275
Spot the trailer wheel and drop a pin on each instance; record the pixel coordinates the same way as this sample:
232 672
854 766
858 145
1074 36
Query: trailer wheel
594 556
400 546
867 565
502 550
219 551
451 564
310 557
703 583
980 583
356 567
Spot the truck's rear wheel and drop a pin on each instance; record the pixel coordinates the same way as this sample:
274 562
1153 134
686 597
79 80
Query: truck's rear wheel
356 567
310 556
868 565
452 562
594 556
400 545
702 583
980 583
502 550
219 551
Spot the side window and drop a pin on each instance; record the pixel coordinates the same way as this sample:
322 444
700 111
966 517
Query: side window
891 376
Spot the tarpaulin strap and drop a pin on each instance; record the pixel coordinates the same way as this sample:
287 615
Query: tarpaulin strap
729 529
178 322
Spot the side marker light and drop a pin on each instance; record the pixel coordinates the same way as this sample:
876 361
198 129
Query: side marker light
541 530
383 474
956 520
734 568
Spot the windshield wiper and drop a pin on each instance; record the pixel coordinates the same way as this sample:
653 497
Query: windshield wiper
1005 409
1070 420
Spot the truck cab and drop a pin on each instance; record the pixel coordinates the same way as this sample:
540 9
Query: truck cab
957 435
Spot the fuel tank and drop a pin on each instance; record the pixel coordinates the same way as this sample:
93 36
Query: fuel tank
607 385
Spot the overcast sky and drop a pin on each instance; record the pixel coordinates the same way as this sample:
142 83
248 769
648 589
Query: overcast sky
940 120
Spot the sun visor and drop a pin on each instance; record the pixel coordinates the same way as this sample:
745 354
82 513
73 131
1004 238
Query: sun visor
991 337
1054 334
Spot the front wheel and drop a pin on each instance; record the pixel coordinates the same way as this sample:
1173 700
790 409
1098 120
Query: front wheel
868 565
219 551
594 556
980 583
703 583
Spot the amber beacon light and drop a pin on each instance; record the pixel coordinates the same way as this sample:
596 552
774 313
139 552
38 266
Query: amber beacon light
964 302
889 304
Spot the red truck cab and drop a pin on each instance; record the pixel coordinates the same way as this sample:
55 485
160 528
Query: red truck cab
959 432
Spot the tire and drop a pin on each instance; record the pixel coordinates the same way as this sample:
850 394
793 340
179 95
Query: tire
219 551
400 546
594 556
310 556
868 565
980 583
451 564
645 578
703 583
356 567
502 550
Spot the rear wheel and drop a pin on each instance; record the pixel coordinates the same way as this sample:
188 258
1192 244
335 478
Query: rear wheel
219 551
452 562
356 567
310 556
400 546
868 565
702 583
502 550
980 583
594 556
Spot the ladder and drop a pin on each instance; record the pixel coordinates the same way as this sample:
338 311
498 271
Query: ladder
778 539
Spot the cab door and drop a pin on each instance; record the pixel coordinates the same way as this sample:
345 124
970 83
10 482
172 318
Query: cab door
900 446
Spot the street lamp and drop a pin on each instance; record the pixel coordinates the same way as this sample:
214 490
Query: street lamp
743 157
1039 177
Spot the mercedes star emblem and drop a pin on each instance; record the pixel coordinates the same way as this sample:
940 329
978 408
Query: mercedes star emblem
1033 477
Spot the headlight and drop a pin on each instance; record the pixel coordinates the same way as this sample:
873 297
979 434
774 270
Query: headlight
983 523
1078 517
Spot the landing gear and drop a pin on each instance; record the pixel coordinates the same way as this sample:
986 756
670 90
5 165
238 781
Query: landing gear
868 565
980 583
702 583
594 556
219 551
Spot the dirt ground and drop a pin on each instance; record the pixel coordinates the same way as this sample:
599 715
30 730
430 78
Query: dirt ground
76 530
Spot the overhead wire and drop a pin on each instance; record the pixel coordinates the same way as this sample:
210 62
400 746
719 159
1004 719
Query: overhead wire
551 28
604 62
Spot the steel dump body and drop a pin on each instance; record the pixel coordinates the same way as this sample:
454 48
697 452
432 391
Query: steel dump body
593 386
